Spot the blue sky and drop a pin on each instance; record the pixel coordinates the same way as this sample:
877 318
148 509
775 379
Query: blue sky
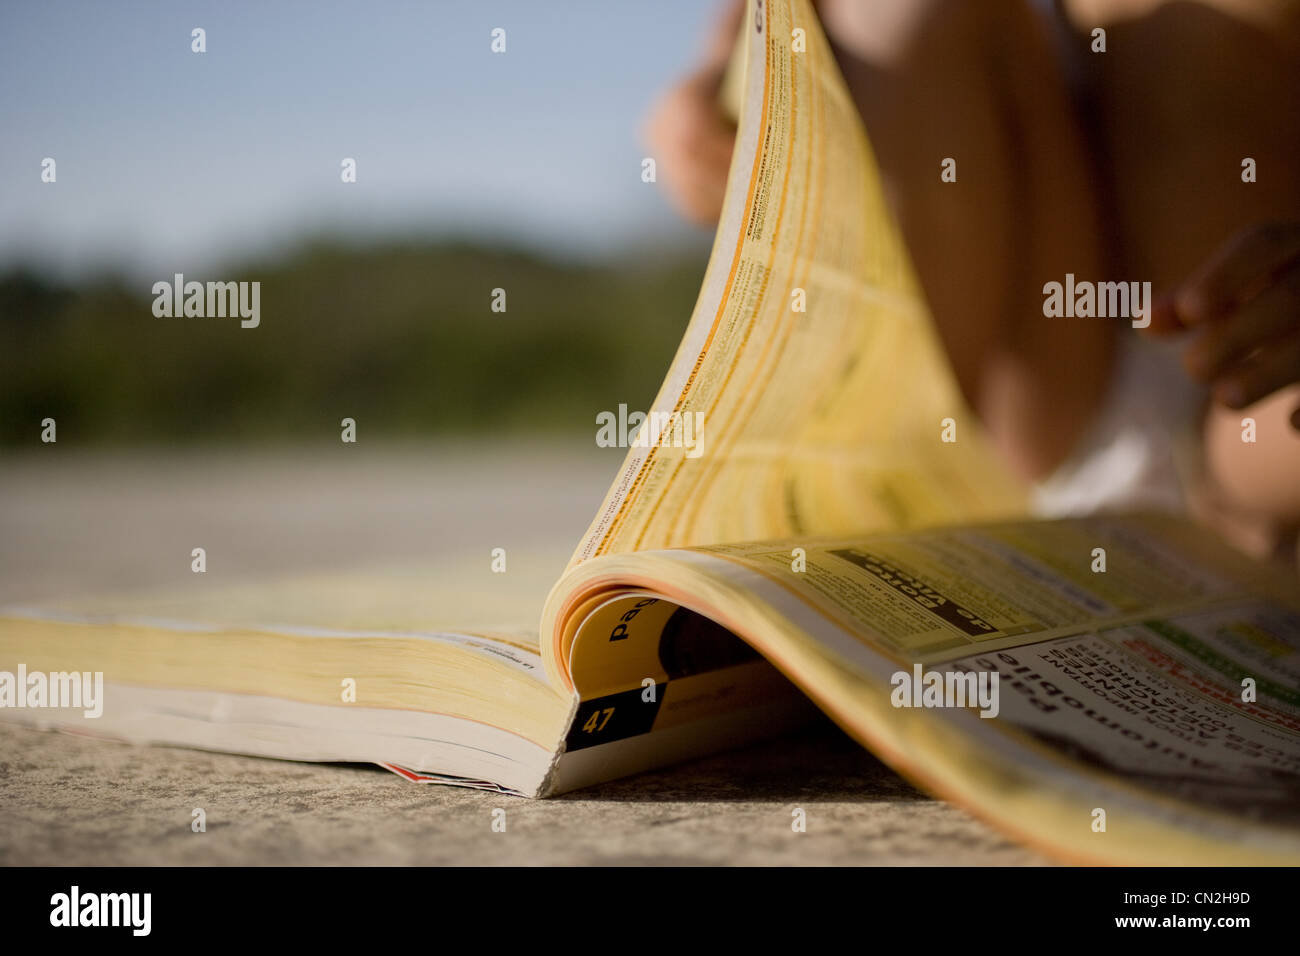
174 161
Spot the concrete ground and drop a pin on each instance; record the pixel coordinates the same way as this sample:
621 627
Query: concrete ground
86 530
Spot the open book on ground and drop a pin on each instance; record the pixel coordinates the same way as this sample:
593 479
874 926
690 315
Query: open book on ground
794 526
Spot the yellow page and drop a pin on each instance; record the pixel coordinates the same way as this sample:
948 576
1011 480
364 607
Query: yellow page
1127 665
810 391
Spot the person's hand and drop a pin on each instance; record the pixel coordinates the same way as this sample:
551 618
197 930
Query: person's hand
690 136
692 142
1244 303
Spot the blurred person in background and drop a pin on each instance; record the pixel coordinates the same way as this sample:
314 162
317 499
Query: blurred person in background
1120 165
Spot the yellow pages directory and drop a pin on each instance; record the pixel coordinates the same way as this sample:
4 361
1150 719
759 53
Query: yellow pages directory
836 532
